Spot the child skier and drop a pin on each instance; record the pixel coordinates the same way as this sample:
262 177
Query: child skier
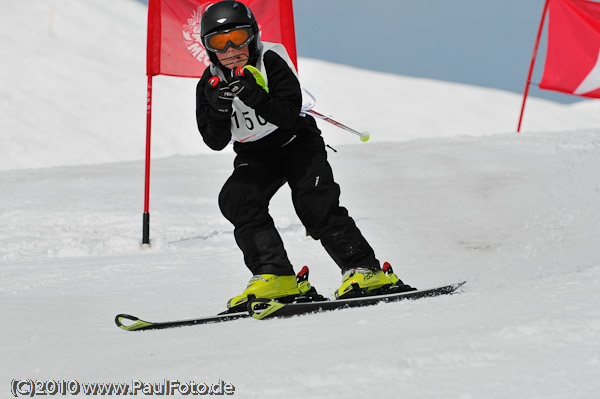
274 145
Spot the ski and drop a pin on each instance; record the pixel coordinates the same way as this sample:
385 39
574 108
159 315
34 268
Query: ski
309 302
261 308
133 323
139 324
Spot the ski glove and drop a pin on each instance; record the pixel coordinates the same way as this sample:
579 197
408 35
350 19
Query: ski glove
219 97
244 86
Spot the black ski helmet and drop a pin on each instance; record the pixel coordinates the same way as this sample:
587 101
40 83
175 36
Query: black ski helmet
224 15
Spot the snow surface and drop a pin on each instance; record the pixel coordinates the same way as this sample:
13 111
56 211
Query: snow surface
445 191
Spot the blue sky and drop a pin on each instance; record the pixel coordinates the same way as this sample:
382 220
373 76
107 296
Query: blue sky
479 42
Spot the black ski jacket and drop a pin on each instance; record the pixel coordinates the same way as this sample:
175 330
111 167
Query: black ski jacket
281 106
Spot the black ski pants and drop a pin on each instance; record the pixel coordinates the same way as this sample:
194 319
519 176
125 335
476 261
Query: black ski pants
302 163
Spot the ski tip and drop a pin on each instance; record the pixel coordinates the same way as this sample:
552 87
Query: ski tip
456 286
137 323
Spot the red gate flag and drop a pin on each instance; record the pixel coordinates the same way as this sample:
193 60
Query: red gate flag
174 46
573 56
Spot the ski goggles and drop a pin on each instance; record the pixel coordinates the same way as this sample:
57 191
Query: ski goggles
219 42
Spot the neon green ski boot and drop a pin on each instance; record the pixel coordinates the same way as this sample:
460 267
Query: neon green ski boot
361 281
269 286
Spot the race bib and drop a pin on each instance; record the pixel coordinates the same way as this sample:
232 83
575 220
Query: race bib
246 124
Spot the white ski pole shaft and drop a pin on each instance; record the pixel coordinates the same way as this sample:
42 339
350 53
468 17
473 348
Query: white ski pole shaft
364 136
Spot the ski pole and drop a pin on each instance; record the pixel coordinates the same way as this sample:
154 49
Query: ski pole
306 108
364 136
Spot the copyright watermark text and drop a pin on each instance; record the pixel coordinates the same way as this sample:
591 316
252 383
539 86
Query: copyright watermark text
31 388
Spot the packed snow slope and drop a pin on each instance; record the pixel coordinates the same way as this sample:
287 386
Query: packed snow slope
445 191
